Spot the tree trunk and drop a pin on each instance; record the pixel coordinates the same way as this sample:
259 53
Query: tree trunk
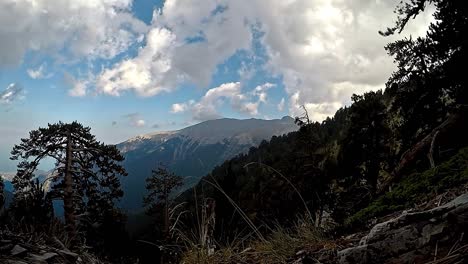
426 144
68 193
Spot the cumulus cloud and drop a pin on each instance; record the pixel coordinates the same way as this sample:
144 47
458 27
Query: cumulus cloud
135 120
325 51
329 49
148 74
179 108
261 91
315 111
78 88
187 42
11 94
77 29
39 73
207 107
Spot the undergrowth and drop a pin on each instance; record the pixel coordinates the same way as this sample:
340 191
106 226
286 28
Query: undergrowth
416 188
278 247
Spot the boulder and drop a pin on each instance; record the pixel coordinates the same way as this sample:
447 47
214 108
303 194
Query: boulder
414 237
17 250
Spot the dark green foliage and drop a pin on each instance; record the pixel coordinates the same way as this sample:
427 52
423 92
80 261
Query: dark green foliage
160 186
86 175
34 208
365 145
430 82
417 188
339 164
305 158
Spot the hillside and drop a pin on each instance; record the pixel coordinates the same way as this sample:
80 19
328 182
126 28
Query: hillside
192 152
384 179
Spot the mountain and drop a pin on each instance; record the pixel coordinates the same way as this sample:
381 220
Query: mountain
9 188
192 152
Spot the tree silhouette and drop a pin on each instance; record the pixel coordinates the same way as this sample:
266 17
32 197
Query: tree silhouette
160 186
85 175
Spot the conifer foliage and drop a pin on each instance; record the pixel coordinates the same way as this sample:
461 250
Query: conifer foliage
86 174
160 186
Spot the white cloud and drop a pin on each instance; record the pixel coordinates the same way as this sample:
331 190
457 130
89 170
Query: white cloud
207 107
323 49
12 93
329 49
261 91
140 123
281 105
39 73
169 59
135 120
178 108
66 30
149 73
78 88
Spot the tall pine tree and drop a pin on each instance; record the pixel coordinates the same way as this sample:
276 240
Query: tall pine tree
85 175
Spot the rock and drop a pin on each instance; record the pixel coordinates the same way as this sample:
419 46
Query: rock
411 237
17 250
68 255
41 259
15 262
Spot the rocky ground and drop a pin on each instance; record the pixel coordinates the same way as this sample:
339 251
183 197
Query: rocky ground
433 233
29 249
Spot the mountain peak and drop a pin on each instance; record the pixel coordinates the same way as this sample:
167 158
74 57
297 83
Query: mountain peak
193 151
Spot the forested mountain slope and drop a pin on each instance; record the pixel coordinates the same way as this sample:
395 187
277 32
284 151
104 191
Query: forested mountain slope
193 151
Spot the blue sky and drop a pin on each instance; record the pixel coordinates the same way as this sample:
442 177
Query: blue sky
128 67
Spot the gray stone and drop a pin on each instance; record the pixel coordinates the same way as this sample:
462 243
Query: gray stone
17 250
68 254
411 235
41 259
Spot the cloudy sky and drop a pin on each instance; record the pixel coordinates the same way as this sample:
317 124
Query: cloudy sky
128 67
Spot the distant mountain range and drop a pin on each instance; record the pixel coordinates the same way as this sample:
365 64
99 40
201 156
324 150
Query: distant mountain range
8 189
192 152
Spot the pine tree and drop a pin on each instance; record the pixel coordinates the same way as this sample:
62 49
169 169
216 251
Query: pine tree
34 208
85 175
429 83
160 186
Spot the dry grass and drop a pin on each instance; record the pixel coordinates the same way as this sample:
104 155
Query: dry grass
280 246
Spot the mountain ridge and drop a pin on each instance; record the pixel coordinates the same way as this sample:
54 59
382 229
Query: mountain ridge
192 152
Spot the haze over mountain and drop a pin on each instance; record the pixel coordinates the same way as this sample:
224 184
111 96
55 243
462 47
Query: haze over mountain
192 152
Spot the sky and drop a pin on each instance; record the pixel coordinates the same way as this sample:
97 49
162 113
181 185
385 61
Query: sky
127 67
